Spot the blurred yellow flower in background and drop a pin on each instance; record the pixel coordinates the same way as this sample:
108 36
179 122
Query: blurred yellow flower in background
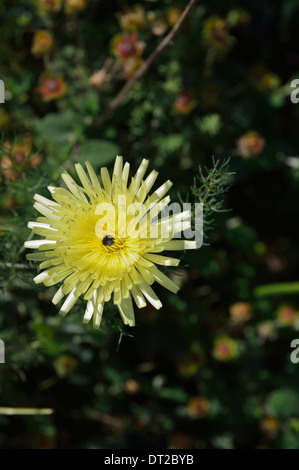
132 19
72 6
42 42
225 348
173 15
240 312
250 144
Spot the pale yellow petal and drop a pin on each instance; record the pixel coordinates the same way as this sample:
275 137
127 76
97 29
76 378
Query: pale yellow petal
93 177
83 177
106 180
58 296
73 187
138 297
162 260
38 243
126 311
125 175
150 294
175 245
117 171
68 303
164 280
141 171
97 316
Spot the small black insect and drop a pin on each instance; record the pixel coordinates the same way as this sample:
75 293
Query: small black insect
108 240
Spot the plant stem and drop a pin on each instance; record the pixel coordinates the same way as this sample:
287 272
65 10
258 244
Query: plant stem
277 289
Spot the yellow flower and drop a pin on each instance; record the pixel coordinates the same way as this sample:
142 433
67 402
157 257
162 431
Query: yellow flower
132 19
270 426
98 252
173 15
240 312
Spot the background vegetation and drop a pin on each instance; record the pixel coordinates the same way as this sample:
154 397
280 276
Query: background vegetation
211 369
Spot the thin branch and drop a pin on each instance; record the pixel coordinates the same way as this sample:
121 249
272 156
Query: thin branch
142 70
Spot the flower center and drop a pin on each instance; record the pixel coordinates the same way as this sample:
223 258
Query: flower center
111 244
108 240
126 49
52 85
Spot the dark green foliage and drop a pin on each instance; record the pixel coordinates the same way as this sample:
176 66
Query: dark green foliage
212 368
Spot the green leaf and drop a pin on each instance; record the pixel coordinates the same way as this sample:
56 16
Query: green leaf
6 410
284 403
288 11
224 441
277 289
59 129
98 152
174 394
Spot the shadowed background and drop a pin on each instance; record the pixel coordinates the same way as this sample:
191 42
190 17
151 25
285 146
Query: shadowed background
212 368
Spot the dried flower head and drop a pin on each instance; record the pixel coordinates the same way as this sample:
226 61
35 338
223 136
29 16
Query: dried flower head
99 79
173 15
